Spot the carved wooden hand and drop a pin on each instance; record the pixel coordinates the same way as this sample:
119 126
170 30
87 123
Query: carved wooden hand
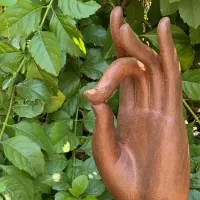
146 158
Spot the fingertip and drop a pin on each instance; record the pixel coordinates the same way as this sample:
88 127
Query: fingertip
89 94
164 25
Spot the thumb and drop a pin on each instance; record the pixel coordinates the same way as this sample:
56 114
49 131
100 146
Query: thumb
105 146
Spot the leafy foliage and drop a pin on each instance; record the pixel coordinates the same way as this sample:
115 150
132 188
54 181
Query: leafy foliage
50 52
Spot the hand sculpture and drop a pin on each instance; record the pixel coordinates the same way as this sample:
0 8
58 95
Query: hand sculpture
146 158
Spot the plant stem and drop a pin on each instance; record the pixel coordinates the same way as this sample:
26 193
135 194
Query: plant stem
45 14
191 111
11 99
74 152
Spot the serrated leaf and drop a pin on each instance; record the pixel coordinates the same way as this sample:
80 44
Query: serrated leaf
68 35
36 133
35 72
62 195
95 187
56 164
90 198
195 180
57 181
95 34
194 195
28 109
33 89
22 177
22 22
192 76
186 56
88 168
55 103
94 66
190 12
195 35
14 188
24 154
83 103
167 8
4 103
109 49
87 146
8 2
79 185
69 83
89 120
71 104
9 52
45 50
154 13
62 138
135 15
192 90
194 158
77 9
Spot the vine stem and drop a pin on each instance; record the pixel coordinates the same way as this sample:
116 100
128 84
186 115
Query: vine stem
45 14
191 111
74 152
11 99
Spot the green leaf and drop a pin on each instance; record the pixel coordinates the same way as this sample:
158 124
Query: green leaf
55 103
87 146
185 55
46 51
79 185
95 187
62 138
24 154
4 103
192 76
28 109
167 8
36 133
35 72
195 35
78 9
194 158
90 198
190 12
22 22
88 121
22 177
194 195
8 2
57 181
8 53
14 188
69 83
56 164
181 40
154 13
94 34
88 168
62 195
2 187
33 89
94 66
68 35
195 180
109 49
191 89
71 104
135 15
83 103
